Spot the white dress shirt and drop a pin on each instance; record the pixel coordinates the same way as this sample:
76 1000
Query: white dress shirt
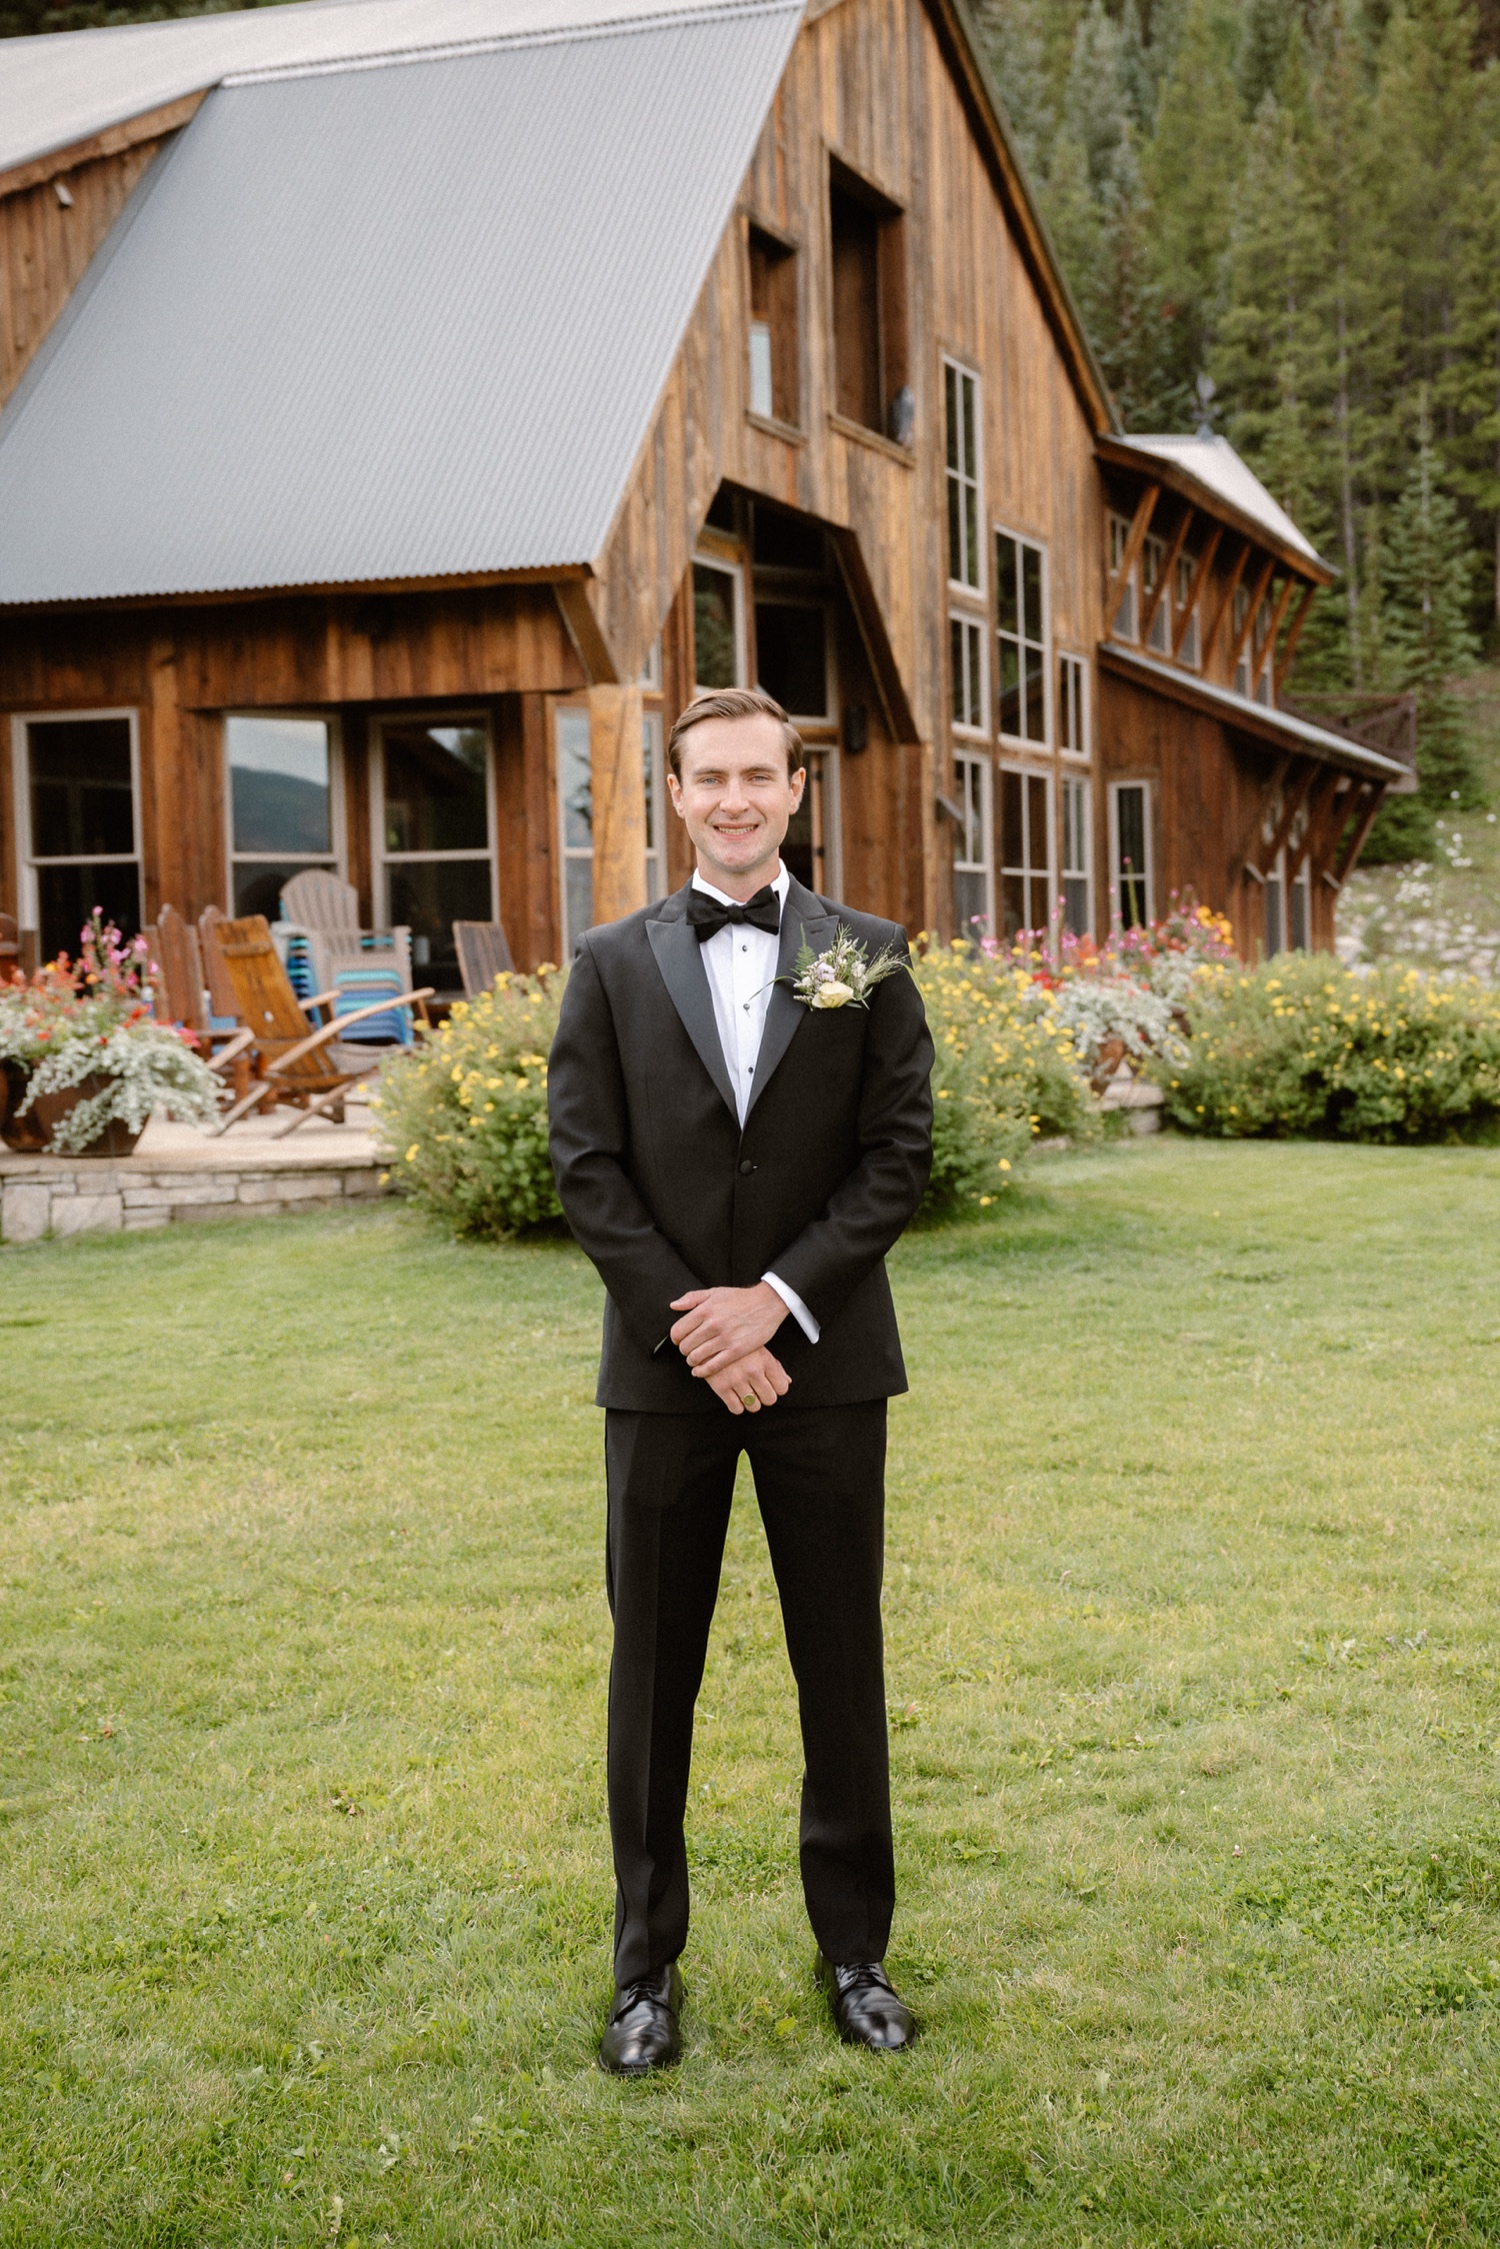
740 963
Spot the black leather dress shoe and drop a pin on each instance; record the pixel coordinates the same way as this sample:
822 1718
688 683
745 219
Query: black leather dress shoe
642 2032
866 2012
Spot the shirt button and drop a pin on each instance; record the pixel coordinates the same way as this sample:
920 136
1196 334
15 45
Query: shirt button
746 1168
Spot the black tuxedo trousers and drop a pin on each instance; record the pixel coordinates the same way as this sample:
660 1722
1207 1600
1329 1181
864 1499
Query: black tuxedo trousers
667 1192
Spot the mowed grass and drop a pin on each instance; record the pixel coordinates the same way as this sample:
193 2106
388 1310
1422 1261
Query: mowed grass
304 1883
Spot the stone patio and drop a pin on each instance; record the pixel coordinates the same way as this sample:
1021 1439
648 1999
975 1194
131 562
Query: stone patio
178 1172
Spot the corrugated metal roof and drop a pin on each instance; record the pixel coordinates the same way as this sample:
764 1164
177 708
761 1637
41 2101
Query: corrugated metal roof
61 88
1214 462
393 323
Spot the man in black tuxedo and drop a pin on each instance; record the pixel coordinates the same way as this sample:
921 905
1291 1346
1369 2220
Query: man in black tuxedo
737 1163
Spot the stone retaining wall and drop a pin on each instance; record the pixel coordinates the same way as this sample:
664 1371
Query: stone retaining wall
42 1195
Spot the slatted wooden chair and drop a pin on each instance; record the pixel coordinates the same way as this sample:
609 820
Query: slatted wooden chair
483 953
355 964
313 1069
181 998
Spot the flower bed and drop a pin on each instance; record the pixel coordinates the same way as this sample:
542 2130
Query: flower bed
86 1062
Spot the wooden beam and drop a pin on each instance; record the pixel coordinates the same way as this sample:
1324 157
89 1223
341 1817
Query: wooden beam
1247 622
1240 857
1289 586
1226 604
1289 649
594 651
1293 804
1317 810
1350 858
149 126
1195 590
1140 524
1159 590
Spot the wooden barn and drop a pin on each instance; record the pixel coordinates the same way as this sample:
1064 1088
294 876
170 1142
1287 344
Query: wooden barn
405 405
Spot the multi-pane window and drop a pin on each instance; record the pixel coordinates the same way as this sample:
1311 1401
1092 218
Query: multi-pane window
1182 595
1025 852
1130 844
972 902
1301 910
281 806
966 675
1021 638
1153 562
435 833
1119 541
1078 906
83 835
1252 670
1072 705
965 555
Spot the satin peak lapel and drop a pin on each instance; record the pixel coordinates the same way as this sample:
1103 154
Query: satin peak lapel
802 916
679 956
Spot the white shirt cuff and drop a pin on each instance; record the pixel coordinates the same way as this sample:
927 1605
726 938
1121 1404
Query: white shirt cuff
795 1306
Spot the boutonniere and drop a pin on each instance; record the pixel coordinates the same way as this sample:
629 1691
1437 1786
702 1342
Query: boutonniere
843 976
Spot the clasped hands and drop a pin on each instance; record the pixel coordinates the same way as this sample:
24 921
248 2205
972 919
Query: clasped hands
723 1333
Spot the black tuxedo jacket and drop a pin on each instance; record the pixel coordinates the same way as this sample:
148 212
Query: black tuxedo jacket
667 1194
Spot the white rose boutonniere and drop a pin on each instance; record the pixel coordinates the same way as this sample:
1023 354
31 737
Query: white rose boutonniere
843 976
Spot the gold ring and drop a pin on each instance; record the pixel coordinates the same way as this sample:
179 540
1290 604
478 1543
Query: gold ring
750 1399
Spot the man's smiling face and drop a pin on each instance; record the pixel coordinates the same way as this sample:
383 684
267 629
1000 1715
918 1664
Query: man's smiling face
736 798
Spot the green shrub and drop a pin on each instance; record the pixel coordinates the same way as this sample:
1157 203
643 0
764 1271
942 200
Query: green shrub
1302 1045
1005 1074
462 1115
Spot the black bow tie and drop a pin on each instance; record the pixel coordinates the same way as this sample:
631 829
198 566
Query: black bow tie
707 916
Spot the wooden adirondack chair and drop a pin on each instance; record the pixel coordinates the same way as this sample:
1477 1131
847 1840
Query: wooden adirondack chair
354 964
483 953
314 1069
181 998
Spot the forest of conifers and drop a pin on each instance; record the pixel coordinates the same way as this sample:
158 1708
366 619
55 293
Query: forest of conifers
1281 218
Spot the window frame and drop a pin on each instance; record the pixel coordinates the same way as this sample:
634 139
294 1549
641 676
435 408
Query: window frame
1153 560
968 479
785 339
1082 821
1148 872
704 558
30 899
982 820
1190 644
978 627
1117 540
382 860
1042 741
654 739
892 334
1030 873
1079 697
338 858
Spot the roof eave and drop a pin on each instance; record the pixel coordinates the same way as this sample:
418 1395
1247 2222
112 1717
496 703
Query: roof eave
1279 728
542 574
1157 468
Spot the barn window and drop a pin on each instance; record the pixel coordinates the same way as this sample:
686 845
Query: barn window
1021 607
1252 671
283 806
961 408
1153 561
869 305
718 626
1130 850
773 328
1025 852
575 813
1072 706
434 831
1078 906
81 831
973 905
968 701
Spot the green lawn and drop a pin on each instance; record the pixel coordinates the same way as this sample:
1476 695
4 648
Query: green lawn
1193 1667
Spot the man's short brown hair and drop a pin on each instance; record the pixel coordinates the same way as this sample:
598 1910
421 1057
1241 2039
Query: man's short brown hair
736 702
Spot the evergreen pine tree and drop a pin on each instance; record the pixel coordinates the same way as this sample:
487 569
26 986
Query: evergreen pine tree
1191 173
1012 33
